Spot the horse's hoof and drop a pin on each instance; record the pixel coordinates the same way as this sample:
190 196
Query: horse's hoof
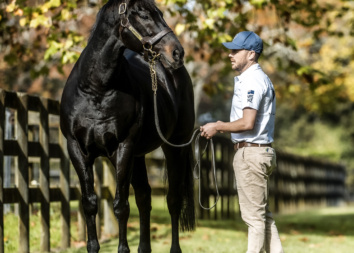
123 249
144 251
176 251
93 247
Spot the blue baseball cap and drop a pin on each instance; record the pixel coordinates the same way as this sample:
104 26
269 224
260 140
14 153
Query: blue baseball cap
246 40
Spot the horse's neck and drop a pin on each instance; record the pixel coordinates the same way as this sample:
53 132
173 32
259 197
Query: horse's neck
103 55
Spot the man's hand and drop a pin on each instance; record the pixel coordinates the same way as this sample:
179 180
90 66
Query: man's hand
209 130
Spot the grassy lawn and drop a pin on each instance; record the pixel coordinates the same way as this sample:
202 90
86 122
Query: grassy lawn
326 230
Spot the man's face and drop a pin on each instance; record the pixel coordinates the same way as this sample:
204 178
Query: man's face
239 59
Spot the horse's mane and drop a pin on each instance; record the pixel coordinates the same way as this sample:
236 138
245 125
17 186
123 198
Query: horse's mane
98 18
147 4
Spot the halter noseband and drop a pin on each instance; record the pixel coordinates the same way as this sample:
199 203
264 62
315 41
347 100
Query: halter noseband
147 41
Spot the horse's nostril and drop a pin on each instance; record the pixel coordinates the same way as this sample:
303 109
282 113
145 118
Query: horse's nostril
176 54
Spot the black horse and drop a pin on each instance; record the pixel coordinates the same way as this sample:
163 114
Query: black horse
107 110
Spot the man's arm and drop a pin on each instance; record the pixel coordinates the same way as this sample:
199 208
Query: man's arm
245 123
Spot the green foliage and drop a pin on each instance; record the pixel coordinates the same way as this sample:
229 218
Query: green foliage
303 28
39 36
44 34
329 137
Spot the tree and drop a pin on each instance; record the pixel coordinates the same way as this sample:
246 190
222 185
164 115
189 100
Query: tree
297 35
308 54
38 35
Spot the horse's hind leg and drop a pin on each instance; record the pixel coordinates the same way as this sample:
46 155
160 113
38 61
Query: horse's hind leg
180 199
142 191
84 170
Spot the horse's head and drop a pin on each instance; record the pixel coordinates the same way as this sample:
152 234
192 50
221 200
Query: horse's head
144 30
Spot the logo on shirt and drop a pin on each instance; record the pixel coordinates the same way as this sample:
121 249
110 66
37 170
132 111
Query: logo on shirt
250 94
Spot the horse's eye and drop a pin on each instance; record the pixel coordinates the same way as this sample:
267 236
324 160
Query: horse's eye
143 15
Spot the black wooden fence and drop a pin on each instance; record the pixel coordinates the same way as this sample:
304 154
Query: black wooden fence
50 145
297 181
39 148
22 148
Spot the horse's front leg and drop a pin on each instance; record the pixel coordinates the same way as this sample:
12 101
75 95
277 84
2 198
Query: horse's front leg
180 199
123 160
142 192
83 166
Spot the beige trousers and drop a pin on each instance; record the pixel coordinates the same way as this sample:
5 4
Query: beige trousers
253 166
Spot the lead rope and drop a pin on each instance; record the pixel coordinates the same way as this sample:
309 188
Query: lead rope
198 157
152 65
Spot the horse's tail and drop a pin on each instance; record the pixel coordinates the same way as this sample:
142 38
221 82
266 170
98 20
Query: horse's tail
187 217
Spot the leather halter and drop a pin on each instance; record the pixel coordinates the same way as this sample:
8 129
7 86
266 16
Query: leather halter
147 41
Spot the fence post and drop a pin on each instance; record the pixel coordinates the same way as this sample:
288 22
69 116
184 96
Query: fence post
44 175
22 179
2 135
65 193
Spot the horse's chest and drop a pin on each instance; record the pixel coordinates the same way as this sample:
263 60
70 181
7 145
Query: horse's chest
93 134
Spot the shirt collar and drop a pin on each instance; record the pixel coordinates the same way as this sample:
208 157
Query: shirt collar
247 72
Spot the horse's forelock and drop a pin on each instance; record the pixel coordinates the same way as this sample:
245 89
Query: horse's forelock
147 4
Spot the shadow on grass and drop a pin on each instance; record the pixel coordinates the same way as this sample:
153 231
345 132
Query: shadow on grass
329 221
324 221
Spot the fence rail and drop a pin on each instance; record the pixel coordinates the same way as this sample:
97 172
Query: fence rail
33 136
22 148
297 181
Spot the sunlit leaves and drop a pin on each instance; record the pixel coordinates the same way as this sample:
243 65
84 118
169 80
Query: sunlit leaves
259 3
65 50
12 6
66 14
180 28
42 30
53 48
51 4
40 20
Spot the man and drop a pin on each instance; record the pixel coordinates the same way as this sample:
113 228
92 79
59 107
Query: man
251 126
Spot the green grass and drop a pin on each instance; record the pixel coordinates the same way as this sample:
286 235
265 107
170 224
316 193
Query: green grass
11 228
326 230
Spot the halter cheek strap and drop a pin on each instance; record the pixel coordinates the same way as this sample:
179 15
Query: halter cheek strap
147 41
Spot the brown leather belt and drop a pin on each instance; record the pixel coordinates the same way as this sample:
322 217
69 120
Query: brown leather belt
249 144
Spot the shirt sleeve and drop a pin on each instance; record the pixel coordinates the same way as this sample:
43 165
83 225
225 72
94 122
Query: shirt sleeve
252 95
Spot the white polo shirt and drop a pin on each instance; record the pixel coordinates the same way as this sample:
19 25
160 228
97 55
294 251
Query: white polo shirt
254 89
